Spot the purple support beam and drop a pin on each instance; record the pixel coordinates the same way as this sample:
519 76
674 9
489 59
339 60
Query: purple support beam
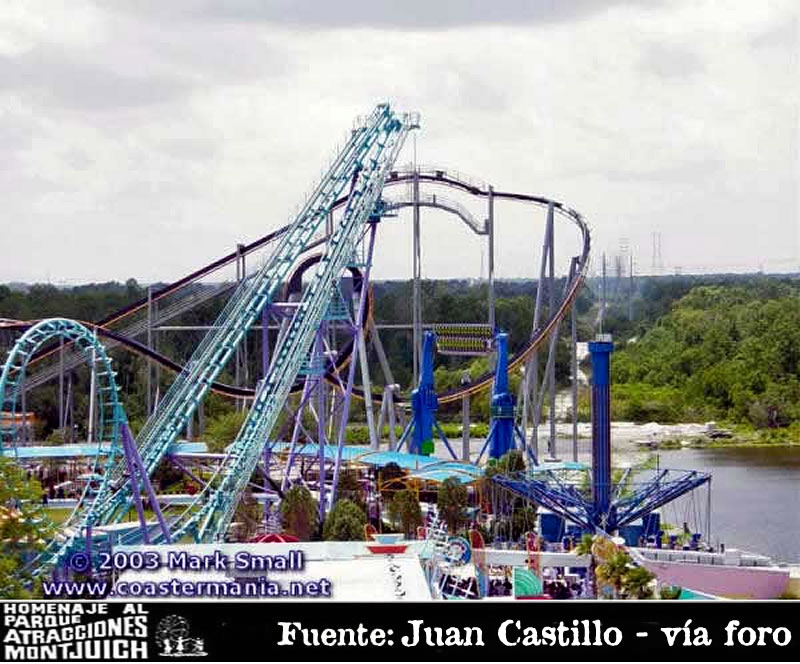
182 467
134 463
137 496
266 483
351 372
296 431
320 387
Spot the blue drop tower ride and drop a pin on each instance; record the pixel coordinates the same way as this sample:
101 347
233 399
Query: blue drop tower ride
601 424
611 505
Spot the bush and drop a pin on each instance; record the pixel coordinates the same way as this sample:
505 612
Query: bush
222 430
349 487
452 503
300 513
405 509
345 522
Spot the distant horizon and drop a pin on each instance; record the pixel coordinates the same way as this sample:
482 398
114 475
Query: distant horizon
17 285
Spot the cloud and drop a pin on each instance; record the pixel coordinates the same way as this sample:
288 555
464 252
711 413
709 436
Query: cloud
669 61
59 77
162 133
407 15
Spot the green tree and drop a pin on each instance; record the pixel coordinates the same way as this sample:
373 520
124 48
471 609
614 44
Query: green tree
345 522
387 475
222 430
452 503
406 510
350 488
669 592
24 528
636 583
248 514
300 513
613 570
584 548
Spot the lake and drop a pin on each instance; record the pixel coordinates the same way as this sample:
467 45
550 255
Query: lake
755 493
755 496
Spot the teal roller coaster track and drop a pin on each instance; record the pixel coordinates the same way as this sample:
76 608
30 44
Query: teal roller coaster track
359 171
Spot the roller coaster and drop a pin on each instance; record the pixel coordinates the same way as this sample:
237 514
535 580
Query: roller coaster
339 221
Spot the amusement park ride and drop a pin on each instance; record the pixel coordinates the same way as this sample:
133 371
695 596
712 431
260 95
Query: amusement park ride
333 234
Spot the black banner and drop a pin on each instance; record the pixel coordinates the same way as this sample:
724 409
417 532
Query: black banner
455 630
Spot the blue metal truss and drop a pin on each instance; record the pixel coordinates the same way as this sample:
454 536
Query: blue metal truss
563 495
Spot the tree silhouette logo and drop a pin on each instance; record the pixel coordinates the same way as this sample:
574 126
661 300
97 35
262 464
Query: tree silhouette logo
174 640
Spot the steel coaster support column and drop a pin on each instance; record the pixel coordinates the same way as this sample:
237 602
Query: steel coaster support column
551 286
465 430
320 387
390 407
237 361
382 413
184 469
149 345
374 437
296 431
532 366
25 408
241 249
351 372
386 416
601 425
61 386
540 392
135 466
490 229
92 395
377 344
574 357
266 483
388 381
137 496
416 305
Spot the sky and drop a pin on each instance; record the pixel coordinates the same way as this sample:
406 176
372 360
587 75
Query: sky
145 138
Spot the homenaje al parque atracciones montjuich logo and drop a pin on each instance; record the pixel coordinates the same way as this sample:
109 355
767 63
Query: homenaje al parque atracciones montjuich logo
77 631
174 638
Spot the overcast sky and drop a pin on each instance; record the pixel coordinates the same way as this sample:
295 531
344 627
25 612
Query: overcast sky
145 138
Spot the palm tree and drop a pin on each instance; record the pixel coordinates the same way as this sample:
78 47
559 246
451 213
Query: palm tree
613 570
584 548
636 583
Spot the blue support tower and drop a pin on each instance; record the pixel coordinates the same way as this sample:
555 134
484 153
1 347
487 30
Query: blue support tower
424 401
601 425
424 404
611 507
503 402
503 430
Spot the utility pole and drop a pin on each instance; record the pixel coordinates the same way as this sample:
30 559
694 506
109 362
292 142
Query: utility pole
630 289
